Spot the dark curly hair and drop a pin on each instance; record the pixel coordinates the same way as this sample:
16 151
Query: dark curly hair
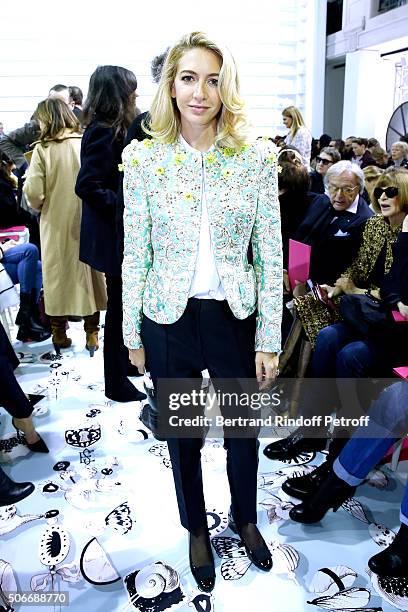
111 98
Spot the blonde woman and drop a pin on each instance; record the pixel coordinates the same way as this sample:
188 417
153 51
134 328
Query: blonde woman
195 196
299 136
70 287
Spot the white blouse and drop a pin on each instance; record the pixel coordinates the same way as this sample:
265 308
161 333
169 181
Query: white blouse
303 143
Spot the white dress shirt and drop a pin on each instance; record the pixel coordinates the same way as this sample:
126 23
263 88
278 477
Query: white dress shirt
206 283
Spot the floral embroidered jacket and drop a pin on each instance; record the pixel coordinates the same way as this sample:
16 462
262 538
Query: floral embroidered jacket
162 196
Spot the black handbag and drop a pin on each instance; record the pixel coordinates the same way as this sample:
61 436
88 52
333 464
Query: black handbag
366 315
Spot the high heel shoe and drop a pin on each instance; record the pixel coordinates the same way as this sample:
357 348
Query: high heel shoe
332 493
36 447
393 561
204 575
259 556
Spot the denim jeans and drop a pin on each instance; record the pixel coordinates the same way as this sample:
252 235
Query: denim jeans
388 418
22 265
337 355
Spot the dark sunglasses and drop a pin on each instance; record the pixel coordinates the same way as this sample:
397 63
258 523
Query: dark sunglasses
325 162
390 192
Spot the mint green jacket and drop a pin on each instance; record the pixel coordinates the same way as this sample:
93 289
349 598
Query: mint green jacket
162 194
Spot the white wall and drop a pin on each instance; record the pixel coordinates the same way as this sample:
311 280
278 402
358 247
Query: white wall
275 44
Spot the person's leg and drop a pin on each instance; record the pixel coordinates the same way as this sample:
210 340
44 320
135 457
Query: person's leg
388 420
228 352
172 352
115 355
21 263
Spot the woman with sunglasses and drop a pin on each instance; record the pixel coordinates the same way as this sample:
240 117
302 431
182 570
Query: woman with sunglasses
326 158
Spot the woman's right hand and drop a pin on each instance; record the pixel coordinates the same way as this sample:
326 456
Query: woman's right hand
137 358
8 245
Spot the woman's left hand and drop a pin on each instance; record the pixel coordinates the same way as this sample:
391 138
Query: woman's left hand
346 285
266 369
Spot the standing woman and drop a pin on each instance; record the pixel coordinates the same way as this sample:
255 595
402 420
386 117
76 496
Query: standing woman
108 112
70 287
299 136
195 196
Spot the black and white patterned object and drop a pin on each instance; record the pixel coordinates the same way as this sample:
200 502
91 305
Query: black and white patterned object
217 522
161 451
95 566
392 590
83 437
232 549
120 519
154 588
7 585
203 602
12 447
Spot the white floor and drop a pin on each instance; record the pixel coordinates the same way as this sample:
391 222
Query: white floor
119 516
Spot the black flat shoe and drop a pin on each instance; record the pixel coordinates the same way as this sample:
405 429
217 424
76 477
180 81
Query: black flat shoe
293 445
260 556
125 392
302 487
204 575
15 492
393 561
36 447
332 493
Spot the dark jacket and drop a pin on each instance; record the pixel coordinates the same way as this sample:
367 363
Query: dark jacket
97 185
316 182
293 208
404 163
394 289
135 131
10 215
334 237
15 143
366 160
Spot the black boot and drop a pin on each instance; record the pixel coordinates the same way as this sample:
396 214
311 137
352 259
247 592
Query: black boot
29 329
302 487
13 492
124 391
332 493
393 561
293 445
39 318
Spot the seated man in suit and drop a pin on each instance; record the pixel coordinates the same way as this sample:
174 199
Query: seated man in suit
333 226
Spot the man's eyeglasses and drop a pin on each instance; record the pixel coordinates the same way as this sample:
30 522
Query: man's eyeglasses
321 160
390 192
348 191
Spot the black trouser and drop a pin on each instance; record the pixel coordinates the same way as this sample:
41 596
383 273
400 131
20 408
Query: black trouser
12 396
115 354
207 336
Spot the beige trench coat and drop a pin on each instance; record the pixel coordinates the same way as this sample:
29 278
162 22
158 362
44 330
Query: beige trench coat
70 286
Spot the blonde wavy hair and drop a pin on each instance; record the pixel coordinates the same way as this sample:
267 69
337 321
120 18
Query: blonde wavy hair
165 121
297 120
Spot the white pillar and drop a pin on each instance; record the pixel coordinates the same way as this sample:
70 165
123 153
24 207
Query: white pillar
361 93
315 66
